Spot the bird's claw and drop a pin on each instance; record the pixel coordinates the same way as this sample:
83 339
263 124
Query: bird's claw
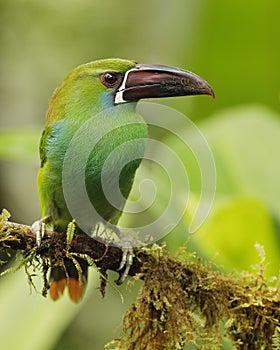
127 258
39 228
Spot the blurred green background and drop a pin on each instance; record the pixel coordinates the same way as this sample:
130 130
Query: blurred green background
233 45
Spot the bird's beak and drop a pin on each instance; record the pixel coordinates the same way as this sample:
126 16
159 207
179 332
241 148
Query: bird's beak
154 81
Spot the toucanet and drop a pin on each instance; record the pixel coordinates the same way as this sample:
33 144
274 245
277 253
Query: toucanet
106 92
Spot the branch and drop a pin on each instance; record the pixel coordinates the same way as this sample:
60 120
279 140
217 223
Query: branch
54 246
182 300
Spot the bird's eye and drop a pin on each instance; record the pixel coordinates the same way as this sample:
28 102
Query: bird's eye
110 79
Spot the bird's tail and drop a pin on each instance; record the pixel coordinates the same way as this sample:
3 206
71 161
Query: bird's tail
71 275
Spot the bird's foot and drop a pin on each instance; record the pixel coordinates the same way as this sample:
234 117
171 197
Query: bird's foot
126 245
127 258
39 228
124 242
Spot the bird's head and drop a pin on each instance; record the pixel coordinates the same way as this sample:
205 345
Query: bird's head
92 87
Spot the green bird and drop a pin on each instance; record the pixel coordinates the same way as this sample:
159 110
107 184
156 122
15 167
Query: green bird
104 94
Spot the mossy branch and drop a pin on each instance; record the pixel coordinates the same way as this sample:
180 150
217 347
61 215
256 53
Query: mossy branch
182 300
21 238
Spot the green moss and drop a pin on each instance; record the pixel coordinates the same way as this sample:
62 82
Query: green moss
185 302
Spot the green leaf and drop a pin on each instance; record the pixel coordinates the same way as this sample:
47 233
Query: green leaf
31 322
234 228
245 142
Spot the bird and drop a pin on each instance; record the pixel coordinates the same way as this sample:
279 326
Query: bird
106 92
